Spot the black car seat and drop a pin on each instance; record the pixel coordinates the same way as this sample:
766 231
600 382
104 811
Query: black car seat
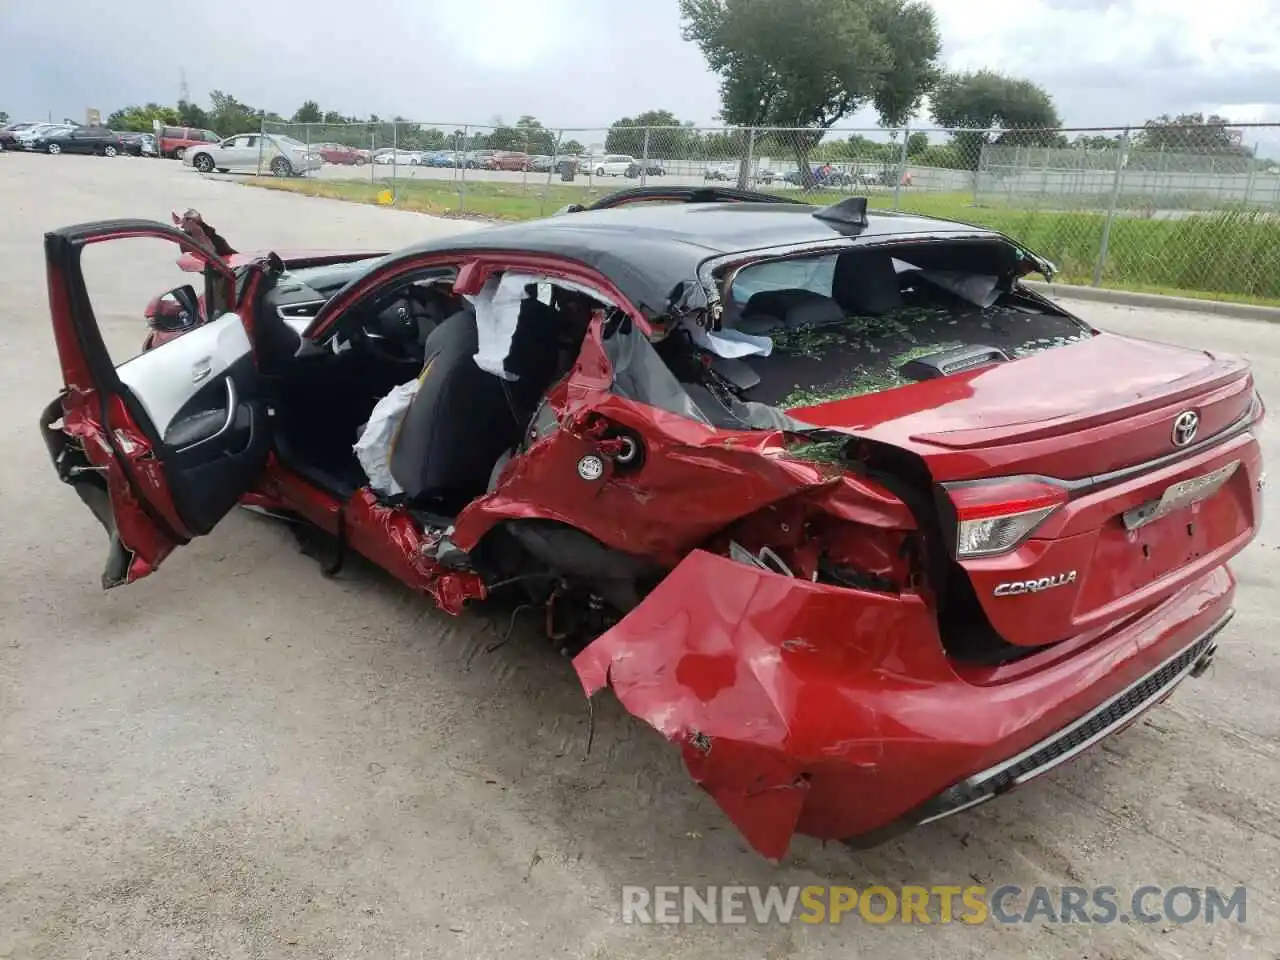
458 424
865 282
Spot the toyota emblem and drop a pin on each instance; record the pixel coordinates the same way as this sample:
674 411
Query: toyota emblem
590 467
1185 426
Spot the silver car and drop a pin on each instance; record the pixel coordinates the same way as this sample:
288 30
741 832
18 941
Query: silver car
258 153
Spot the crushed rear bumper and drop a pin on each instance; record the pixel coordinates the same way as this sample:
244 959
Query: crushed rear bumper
834 713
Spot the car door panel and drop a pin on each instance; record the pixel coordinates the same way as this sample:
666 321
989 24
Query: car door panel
163 446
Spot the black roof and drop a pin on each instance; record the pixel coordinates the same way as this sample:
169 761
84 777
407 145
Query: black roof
647 249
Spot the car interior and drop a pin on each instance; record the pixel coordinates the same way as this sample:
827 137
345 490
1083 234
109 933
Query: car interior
462 419
868 319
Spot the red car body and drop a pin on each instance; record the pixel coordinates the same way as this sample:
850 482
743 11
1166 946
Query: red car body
509 160
340 154
175 141
801 705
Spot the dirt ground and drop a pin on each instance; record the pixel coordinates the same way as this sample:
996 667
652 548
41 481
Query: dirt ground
240 758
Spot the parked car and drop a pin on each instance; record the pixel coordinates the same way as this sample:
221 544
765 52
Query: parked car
720 172
139 144
9 134
651 168
822 176
259 153
174 142
339 154
542 163
94 140
862 580
401 158
30 132
444 158
476 159
507 160
611 165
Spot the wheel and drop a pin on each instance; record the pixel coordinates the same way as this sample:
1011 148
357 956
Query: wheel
202 162
109 151
179 153
280 167
53 149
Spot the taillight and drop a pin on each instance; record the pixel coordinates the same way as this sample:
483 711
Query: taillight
995 517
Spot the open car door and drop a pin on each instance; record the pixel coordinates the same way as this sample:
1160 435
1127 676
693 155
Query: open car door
161 446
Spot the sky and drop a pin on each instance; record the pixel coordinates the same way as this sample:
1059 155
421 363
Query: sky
585 63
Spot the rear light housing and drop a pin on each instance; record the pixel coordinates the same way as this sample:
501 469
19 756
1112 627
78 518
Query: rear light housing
993 517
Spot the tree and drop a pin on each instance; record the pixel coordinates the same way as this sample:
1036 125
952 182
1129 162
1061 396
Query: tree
667 136
807 63
1191 133
986 107
4 118
229 116
572 146
917 143
309 112
191 115
143 118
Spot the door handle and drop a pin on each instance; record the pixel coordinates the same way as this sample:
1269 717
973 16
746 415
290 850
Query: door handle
201 370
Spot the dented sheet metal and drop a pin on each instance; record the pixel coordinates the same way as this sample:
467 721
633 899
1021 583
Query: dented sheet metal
776 690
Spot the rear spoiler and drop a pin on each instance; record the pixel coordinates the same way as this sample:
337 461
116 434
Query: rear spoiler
678 195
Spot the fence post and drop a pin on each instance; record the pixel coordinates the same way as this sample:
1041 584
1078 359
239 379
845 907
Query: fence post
747 175
262 140
1121 157
306 157
524 167
1253 171
902 168
462 181
644 158
395 157
551 169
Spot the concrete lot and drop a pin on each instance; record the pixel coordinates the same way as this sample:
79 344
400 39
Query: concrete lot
240 758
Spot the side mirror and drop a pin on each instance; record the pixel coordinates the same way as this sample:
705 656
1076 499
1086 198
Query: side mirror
177 310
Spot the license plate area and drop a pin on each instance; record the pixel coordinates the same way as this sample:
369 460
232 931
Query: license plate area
1184 493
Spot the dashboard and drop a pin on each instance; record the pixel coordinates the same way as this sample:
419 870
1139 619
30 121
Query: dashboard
393 324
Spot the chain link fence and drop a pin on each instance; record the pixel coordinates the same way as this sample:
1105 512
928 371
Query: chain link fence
1191 210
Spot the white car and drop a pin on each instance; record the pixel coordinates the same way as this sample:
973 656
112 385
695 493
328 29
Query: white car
30 134
259 153
611 165
401 158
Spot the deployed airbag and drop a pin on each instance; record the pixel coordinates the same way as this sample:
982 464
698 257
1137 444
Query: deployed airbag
373 449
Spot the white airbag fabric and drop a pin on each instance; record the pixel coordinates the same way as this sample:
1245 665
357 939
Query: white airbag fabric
497 307
373 449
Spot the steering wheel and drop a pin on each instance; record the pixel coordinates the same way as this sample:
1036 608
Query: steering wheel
395 327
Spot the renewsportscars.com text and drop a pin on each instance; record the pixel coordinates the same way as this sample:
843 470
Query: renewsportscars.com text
937 904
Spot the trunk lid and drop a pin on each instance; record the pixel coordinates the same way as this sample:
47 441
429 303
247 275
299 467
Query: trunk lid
1074 412
1131 514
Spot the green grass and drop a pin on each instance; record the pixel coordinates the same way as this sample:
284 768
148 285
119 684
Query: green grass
1224 255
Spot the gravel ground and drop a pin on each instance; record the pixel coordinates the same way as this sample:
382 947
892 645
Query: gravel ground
240 758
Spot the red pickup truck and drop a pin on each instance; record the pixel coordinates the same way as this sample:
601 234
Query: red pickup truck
175 141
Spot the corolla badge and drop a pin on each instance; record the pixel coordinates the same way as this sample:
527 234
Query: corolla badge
1185 426
1016 588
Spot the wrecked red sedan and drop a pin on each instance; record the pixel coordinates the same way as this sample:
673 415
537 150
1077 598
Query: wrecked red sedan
866 527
